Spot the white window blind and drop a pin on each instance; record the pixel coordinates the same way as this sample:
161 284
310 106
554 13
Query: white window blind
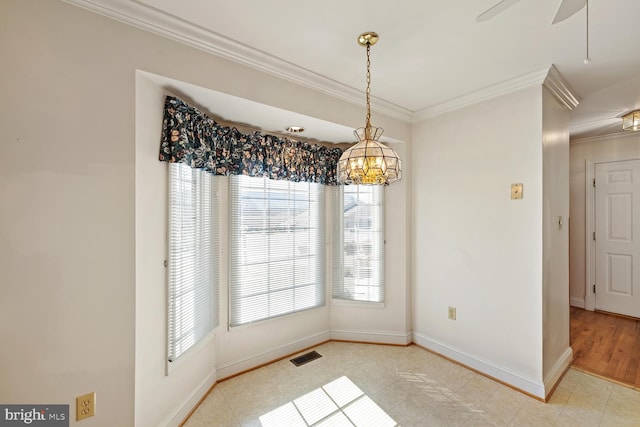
192 260
358 250
277 248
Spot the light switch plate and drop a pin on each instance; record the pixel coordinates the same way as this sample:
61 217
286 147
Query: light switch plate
516 191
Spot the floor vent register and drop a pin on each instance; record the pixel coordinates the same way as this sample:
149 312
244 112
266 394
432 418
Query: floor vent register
306 358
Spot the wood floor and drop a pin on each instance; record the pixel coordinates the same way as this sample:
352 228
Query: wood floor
606 345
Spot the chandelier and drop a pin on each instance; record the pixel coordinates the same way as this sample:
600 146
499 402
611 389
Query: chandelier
369 161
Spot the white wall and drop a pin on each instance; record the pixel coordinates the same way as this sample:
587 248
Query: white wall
615 147
67 211
81 220
473 247
557 354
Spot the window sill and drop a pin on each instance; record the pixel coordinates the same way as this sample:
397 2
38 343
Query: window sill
184 358
355 303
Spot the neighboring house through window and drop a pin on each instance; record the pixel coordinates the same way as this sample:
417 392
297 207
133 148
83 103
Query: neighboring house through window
358 250
277 248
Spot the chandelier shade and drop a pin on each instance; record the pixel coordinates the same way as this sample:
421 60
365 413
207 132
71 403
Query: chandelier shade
631 121
369 162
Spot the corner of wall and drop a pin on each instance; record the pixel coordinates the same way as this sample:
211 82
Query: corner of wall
552 379
513 379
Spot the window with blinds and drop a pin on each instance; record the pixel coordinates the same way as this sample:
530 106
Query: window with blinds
192 261
358 252
277 248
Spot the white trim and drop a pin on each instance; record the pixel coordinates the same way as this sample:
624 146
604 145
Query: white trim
560 88
158 22
356 303
516 380
374 337
600 138
577 302
512 85
549 76
185 358
251 362
558 370
190 402
589 229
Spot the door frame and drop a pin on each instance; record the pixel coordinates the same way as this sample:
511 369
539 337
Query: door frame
590 224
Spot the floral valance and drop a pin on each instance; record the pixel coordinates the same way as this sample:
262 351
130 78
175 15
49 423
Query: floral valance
191 137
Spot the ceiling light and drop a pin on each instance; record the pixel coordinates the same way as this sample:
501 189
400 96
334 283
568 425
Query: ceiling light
295 129
631 121
369 161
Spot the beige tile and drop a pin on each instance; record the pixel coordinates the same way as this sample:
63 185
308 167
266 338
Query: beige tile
534 413
221 419
571 378
579 417
502 406
475 392
623 407
446 415
404 402
612 420
457 377
590 396
417 388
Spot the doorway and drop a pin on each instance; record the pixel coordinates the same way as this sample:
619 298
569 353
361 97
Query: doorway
615 237
606 344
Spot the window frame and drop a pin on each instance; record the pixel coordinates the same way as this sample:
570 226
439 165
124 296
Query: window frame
362 237
191 256
309 268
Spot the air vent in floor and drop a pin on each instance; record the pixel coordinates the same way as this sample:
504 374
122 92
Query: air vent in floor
306 358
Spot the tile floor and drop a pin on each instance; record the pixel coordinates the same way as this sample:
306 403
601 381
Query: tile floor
373 385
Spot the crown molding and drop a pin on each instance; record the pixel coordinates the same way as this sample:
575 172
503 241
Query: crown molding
608 137
508 86
158 22
550 77
559 87
150 19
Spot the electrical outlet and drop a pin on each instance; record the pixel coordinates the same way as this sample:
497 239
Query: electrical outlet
452 313
85 406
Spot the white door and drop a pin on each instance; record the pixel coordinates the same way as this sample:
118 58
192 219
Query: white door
617 210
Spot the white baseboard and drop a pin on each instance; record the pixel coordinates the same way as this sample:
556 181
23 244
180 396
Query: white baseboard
190 402
374 337
515 380
269 356
555 374
577 302
253 361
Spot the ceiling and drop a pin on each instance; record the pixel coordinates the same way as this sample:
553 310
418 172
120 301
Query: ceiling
430 54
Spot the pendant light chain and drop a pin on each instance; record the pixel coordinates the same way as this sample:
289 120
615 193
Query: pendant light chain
368 92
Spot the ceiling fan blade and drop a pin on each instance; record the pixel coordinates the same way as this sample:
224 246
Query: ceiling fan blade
568 8
498 8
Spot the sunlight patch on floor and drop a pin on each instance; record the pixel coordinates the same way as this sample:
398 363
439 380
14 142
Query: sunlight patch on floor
338 403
